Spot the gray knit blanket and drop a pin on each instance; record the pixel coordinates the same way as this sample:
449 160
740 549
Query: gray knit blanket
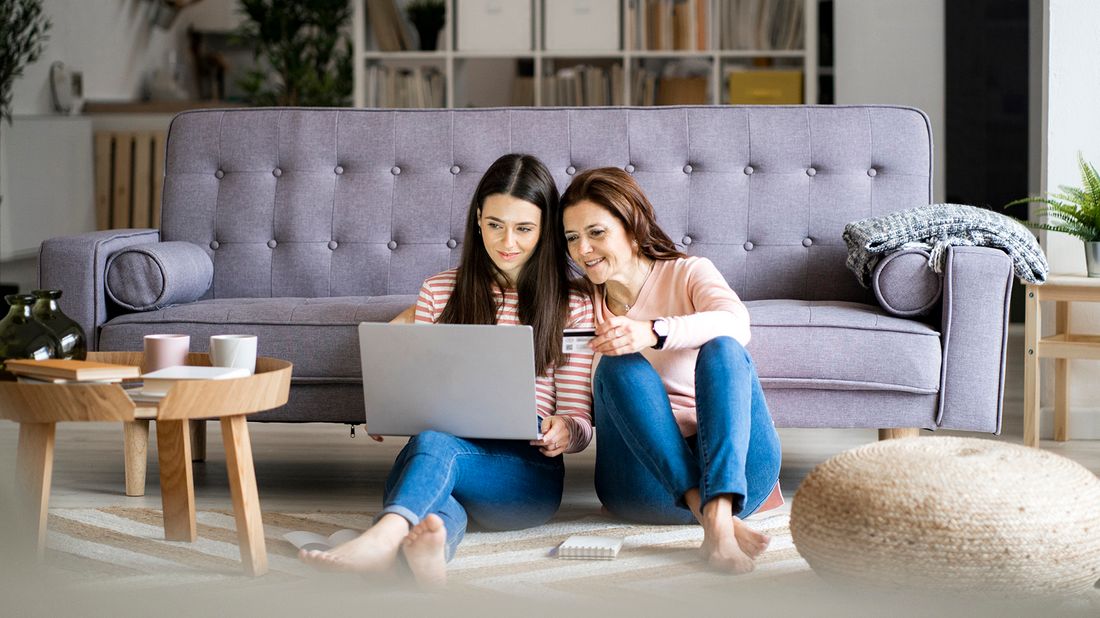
935 228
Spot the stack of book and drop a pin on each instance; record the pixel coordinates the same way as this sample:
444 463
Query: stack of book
65 371
667 24
584 85
404 87
760 24
387 25
157 383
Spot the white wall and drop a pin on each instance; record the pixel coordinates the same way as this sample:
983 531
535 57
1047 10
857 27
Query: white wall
113 43
892 51
1070 87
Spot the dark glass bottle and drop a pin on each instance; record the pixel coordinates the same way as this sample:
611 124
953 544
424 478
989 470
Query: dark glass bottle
21 336
74 344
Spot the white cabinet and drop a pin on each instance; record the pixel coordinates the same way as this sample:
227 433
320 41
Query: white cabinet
591 52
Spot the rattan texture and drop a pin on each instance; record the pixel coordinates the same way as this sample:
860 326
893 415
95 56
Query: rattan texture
951 514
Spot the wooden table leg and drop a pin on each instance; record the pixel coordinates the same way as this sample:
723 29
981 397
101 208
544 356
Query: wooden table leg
246 499
1032 327
177 488
136 448
903 432
198 440
1061 377
34 468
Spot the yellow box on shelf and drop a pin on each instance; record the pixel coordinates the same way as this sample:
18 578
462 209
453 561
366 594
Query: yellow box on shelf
764 87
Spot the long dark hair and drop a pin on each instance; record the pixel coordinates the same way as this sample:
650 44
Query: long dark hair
622 196
543 282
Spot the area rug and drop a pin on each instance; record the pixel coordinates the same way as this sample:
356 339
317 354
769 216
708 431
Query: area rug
118 546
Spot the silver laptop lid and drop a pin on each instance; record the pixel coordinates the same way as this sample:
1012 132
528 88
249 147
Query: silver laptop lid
469 381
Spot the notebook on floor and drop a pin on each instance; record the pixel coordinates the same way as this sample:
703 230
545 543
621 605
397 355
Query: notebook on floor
472 381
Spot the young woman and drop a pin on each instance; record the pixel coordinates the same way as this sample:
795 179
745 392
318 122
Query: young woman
684 432
512 272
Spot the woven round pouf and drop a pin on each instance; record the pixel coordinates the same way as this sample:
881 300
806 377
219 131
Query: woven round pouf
958 514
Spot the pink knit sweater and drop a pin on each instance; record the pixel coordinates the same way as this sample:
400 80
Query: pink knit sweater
699 305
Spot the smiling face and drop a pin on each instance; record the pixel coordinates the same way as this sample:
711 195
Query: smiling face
598 242
510 232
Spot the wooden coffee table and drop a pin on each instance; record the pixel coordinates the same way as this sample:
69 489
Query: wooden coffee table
39 407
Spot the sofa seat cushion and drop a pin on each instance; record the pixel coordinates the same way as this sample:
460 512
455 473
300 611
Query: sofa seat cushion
835 345
318 335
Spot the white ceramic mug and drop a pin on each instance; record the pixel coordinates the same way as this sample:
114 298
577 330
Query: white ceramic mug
233 351
165 351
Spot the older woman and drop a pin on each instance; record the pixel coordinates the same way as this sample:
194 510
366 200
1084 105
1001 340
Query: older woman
683 431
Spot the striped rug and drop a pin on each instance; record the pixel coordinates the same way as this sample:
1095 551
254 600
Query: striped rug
118 546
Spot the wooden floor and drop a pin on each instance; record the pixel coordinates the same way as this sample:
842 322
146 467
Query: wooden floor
318 467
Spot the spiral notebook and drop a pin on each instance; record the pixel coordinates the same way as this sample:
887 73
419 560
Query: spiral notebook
590 548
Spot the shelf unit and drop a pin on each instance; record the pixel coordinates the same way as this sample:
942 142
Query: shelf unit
454 64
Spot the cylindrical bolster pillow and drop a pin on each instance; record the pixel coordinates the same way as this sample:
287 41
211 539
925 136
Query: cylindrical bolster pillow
904 284
155 275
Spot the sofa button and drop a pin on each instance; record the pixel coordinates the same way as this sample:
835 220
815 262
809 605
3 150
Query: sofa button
748 246
332 244
570 170
686 240
452 243
391 245
688 169
276 172
811 171
629 169
806 242
455 169
395 170
339 169
272 244
219 174
214 245
748 169
872 172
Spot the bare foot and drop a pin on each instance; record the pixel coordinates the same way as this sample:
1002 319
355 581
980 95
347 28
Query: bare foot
373 551
424 551
750 541
721 548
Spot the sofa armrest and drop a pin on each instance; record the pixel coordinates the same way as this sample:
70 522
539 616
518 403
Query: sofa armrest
977 283
904 284
77 265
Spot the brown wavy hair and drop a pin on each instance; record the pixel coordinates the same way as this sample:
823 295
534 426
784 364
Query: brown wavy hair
543 282
620 194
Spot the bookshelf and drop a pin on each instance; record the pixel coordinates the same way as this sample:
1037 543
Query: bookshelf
525 72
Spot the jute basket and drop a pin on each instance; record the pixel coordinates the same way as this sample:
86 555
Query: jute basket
955 514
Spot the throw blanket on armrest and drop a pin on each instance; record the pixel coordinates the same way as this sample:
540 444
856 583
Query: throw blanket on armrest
936 227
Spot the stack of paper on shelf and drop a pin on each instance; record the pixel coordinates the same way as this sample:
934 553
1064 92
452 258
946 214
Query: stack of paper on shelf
56 370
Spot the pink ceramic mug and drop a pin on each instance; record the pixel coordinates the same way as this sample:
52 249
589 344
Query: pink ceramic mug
165 351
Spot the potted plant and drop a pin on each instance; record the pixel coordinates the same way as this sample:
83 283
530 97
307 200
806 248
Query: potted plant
1074 211
303 50
427 17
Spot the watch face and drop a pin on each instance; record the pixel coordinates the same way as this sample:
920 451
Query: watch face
660 327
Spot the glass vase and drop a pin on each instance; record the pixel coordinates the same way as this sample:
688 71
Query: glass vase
21 336
74 344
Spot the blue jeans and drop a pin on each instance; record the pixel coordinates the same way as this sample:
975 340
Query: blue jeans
644 465
500 484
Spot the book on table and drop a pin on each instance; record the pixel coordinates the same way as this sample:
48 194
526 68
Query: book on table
157 383
68 369
25 379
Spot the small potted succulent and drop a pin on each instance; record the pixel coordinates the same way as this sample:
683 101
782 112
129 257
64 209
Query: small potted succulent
1074 211
427 17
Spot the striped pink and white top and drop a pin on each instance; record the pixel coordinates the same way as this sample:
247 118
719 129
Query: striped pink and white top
565 390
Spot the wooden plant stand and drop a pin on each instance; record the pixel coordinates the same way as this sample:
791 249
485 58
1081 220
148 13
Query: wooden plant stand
39 407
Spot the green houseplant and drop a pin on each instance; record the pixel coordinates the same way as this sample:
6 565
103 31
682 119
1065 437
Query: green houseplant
1074 211
303 51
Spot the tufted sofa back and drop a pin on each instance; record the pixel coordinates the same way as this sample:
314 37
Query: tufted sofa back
354 202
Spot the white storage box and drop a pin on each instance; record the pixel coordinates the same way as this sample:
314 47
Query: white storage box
494 25
582 25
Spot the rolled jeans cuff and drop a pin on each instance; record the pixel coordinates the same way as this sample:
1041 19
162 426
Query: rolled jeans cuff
397 509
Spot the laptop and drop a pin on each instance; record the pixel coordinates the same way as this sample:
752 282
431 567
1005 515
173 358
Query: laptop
466 380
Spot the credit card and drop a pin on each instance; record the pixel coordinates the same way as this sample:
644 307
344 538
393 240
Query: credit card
576 340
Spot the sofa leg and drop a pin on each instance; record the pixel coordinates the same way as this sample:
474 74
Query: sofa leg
903 432
135 446
198 440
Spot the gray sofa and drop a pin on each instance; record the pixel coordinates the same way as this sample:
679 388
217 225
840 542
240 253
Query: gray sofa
317 219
